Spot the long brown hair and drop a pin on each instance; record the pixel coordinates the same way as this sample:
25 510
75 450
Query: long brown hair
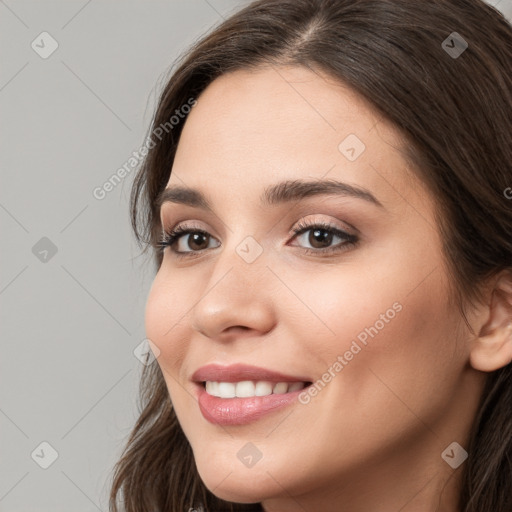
452 103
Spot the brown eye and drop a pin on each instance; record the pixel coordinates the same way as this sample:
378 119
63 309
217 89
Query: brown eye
197 241
320 238
183 240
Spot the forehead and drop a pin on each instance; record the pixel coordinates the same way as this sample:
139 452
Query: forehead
253 127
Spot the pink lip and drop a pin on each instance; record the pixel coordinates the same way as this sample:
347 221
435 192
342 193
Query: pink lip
238 372
240 411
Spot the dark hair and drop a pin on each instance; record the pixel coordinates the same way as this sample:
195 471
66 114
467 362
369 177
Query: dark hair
454 111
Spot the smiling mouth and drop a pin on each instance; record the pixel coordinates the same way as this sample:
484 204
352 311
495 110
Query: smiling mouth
248 388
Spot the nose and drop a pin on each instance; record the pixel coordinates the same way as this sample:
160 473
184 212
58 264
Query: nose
237 297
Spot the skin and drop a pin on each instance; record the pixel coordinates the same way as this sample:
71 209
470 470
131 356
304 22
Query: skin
372 438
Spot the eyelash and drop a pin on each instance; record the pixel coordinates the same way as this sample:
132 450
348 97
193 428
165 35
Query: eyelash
168 238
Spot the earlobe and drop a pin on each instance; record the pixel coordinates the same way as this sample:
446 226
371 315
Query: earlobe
492 349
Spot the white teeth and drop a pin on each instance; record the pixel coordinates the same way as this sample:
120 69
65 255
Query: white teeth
226 389
248 388
212 388
280 387
263 388
245 388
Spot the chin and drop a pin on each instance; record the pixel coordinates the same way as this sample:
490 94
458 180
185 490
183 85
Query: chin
241 486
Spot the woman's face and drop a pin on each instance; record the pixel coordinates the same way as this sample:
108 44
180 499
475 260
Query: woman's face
365 317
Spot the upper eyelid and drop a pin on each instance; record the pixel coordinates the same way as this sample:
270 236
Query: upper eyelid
191 224
301 225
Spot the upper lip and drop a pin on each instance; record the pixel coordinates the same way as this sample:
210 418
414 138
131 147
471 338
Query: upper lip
239 372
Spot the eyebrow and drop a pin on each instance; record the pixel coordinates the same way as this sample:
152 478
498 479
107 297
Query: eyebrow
283 192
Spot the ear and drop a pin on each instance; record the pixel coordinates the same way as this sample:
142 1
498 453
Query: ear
492 349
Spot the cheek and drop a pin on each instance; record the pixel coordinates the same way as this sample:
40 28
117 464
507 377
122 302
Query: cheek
165 321
398 360
394 331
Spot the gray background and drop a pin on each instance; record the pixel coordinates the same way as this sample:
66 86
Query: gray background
71 319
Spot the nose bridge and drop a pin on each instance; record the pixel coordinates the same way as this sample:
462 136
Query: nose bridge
242 260
235 294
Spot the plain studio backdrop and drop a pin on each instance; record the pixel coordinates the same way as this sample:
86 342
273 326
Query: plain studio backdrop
78 86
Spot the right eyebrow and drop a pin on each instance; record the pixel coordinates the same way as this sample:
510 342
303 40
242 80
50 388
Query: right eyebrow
183 195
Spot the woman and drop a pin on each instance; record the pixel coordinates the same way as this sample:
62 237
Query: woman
325 193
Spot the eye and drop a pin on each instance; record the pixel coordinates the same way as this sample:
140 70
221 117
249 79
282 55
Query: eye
321 237
188 241
183 240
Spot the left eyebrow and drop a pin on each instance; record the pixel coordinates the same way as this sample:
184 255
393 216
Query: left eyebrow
283 192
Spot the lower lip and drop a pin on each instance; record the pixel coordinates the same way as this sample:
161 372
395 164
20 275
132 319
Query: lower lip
241 411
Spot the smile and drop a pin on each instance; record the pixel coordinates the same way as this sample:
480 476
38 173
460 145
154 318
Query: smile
248 388
239 394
